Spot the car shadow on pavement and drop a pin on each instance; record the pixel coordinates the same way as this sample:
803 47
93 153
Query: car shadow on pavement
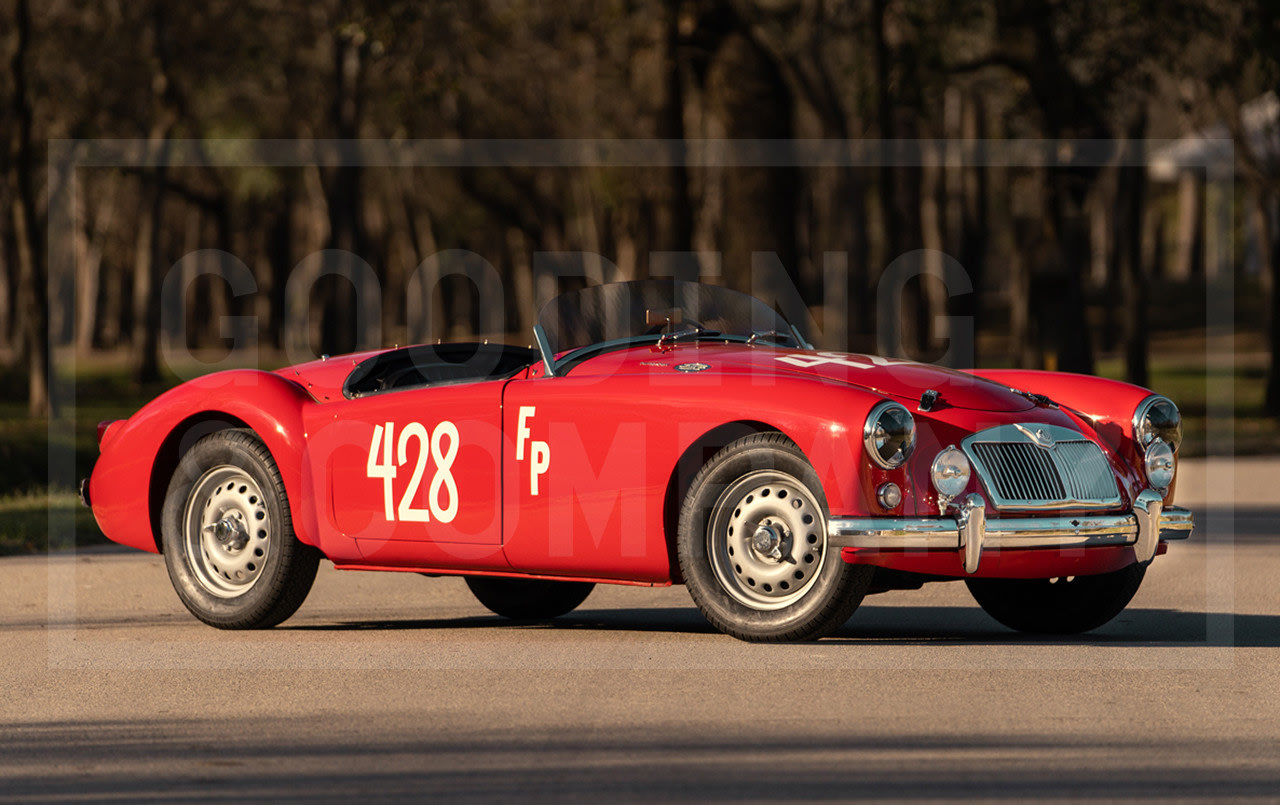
665 619
1133 627
887 626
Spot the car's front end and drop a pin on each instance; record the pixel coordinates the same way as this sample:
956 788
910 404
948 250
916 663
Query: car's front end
1034 499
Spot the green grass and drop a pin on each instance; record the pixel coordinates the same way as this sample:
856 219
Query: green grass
38 511
1234 397
38 522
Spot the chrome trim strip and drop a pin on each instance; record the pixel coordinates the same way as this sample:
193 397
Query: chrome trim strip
969 529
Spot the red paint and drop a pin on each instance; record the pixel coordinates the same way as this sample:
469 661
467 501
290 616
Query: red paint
602 445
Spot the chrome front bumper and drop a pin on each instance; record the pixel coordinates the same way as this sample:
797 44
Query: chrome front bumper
968 529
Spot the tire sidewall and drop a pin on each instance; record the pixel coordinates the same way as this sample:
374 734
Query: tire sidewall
223 448
725 611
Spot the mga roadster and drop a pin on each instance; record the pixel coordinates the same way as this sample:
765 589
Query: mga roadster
660 432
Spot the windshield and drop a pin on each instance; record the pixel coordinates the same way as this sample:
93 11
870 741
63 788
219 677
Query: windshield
645 310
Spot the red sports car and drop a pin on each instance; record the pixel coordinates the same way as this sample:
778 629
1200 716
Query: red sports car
662 432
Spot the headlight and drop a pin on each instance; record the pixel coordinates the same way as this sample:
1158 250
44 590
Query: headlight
1159 463
1157 418
950 472
889 435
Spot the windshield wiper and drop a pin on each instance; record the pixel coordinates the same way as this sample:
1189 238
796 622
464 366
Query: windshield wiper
697 330
772 335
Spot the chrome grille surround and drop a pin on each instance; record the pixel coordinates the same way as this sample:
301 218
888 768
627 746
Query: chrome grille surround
1037 467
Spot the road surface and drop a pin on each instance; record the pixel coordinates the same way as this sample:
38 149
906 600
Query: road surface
396 686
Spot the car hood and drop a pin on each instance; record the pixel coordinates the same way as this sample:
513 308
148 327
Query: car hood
900 379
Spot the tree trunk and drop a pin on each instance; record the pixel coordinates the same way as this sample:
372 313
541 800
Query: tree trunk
933 290
148 259
33 287
1137 267
899 184
973 216
1271 402
89 233
148 269
338 331
747 94
9 262
674 215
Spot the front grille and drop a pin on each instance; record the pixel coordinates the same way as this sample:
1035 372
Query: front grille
1061 470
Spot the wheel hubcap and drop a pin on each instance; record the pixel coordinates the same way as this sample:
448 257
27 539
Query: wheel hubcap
766 539
767 543
227 531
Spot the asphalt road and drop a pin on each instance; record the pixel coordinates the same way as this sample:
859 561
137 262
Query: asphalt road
396 686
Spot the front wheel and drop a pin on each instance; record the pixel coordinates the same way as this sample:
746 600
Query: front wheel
1066 605
753 549
228 535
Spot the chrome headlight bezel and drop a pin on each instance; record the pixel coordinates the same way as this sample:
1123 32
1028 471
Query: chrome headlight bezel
1160 465
1152 421
889 496
950 484
875 435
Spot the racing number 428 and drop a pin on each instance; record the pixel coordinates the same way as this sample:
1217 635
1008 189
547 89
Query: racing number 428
438 446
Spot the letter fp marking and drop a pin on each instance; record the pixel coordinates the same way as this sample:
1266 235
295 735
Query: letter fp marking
539 451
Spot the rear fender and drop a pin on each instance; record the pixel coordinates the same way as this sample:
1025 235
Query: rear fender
152 442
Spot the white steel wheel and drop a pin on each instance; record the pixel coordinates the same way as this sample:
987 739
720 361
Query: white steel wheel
766 540
227 535
752 545
228 531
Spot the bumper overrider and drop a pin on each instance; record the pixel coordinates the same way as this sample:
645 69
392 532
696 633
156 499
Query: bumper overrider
967 528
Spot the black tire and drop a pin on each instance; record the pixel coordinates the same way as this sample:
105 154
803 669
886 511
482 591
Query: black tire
1057 606
228 535
776 581
529 599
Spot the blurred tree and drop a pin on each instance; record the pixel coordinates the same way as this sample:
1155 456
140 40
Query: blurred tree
148 257
747 98
28 234
926 75
1254 32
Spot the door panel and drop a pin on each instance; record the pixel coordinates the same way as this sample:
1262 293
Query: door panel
587 468
415 467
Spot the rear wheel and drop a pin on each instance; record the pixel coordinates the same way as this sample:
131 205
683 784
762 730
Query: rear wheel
228 535
753 547
1067 605
528 599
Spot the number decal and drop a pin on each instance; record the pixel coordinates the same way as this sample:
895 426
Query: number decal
440 447
407 513
444 473
382 469
839 359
